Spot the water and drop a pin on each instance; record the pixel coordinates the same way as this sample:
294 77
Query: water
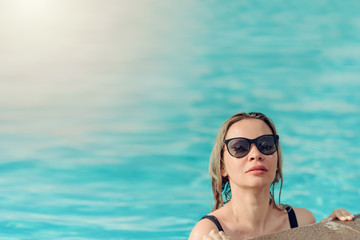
109 112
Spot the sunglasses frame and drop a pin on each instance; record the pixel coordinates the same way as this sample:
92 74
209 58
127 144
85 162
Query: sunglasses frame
255 141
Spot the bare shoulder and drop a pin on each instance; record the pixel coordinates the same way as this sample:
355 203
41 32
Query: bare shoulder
304 216
202 228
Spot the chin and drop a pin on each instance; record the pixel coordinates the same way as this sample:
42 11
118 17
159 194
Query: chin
259 183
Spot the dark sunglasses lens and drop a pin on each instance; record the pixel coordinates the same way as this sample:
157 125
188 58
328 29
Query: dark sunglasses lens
238 147
267 144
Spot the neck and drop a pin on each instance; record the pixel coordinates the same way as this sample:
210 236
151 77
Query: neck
251 208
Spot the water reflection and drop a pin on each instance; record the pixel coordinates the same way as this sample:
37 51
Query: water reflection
109 110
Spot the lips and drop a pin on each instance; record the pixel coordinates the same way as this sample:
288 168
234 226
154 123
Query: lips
257 168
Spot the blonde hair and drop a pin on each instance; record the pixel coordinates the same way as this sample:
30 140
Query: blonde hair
220 184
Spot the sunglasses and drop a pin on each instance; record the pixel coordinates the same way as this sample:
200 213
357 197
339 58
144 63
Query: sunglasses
240 147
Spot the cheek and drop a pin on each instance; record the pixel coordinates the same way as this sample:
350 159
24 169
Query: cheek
233 165
273 160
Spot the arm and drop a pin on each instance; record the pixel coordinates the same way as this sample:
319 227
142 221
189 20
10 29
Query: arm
304 216
206 230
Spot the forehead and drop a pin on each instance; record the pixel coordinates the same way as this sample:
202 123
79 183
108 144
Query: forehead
248 128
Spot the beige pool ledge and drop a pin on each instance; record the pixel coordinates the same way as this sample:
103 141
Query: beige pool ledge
324 231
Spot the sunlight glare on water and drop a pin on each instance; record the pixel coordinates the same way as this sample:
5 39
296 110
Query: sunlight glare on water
109 110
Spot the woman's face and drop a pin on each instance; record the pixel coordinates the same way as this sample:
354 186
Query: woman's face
255 170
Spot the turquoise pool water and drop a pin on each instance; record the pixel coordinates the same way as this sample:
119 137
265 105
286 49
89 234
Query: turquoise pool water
109 112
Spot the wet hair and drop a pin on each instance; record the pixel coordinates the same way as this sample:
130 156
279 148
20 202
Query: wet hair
220 185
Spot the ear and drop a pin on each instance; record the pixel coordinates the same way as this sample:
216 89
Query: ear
223 170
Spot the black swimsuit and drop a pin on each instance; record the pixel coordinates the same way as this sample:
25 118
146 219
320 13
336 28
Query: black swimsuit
291 215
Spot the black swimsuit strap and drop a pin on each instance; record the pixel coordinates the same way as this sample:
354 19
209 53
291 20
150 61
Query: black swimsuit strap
290 210
292 217
214 220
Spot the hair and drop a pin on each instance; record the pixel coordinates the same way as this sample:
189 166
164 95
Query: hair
220 185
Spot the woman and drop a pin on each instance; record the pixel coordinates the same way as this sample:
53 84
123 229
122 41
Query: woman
245 165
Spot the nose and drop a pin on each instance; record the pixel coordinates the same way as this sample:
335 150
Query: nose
254 153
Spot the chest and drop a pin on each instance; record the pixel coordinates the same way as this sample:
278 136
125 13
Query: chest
238 231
